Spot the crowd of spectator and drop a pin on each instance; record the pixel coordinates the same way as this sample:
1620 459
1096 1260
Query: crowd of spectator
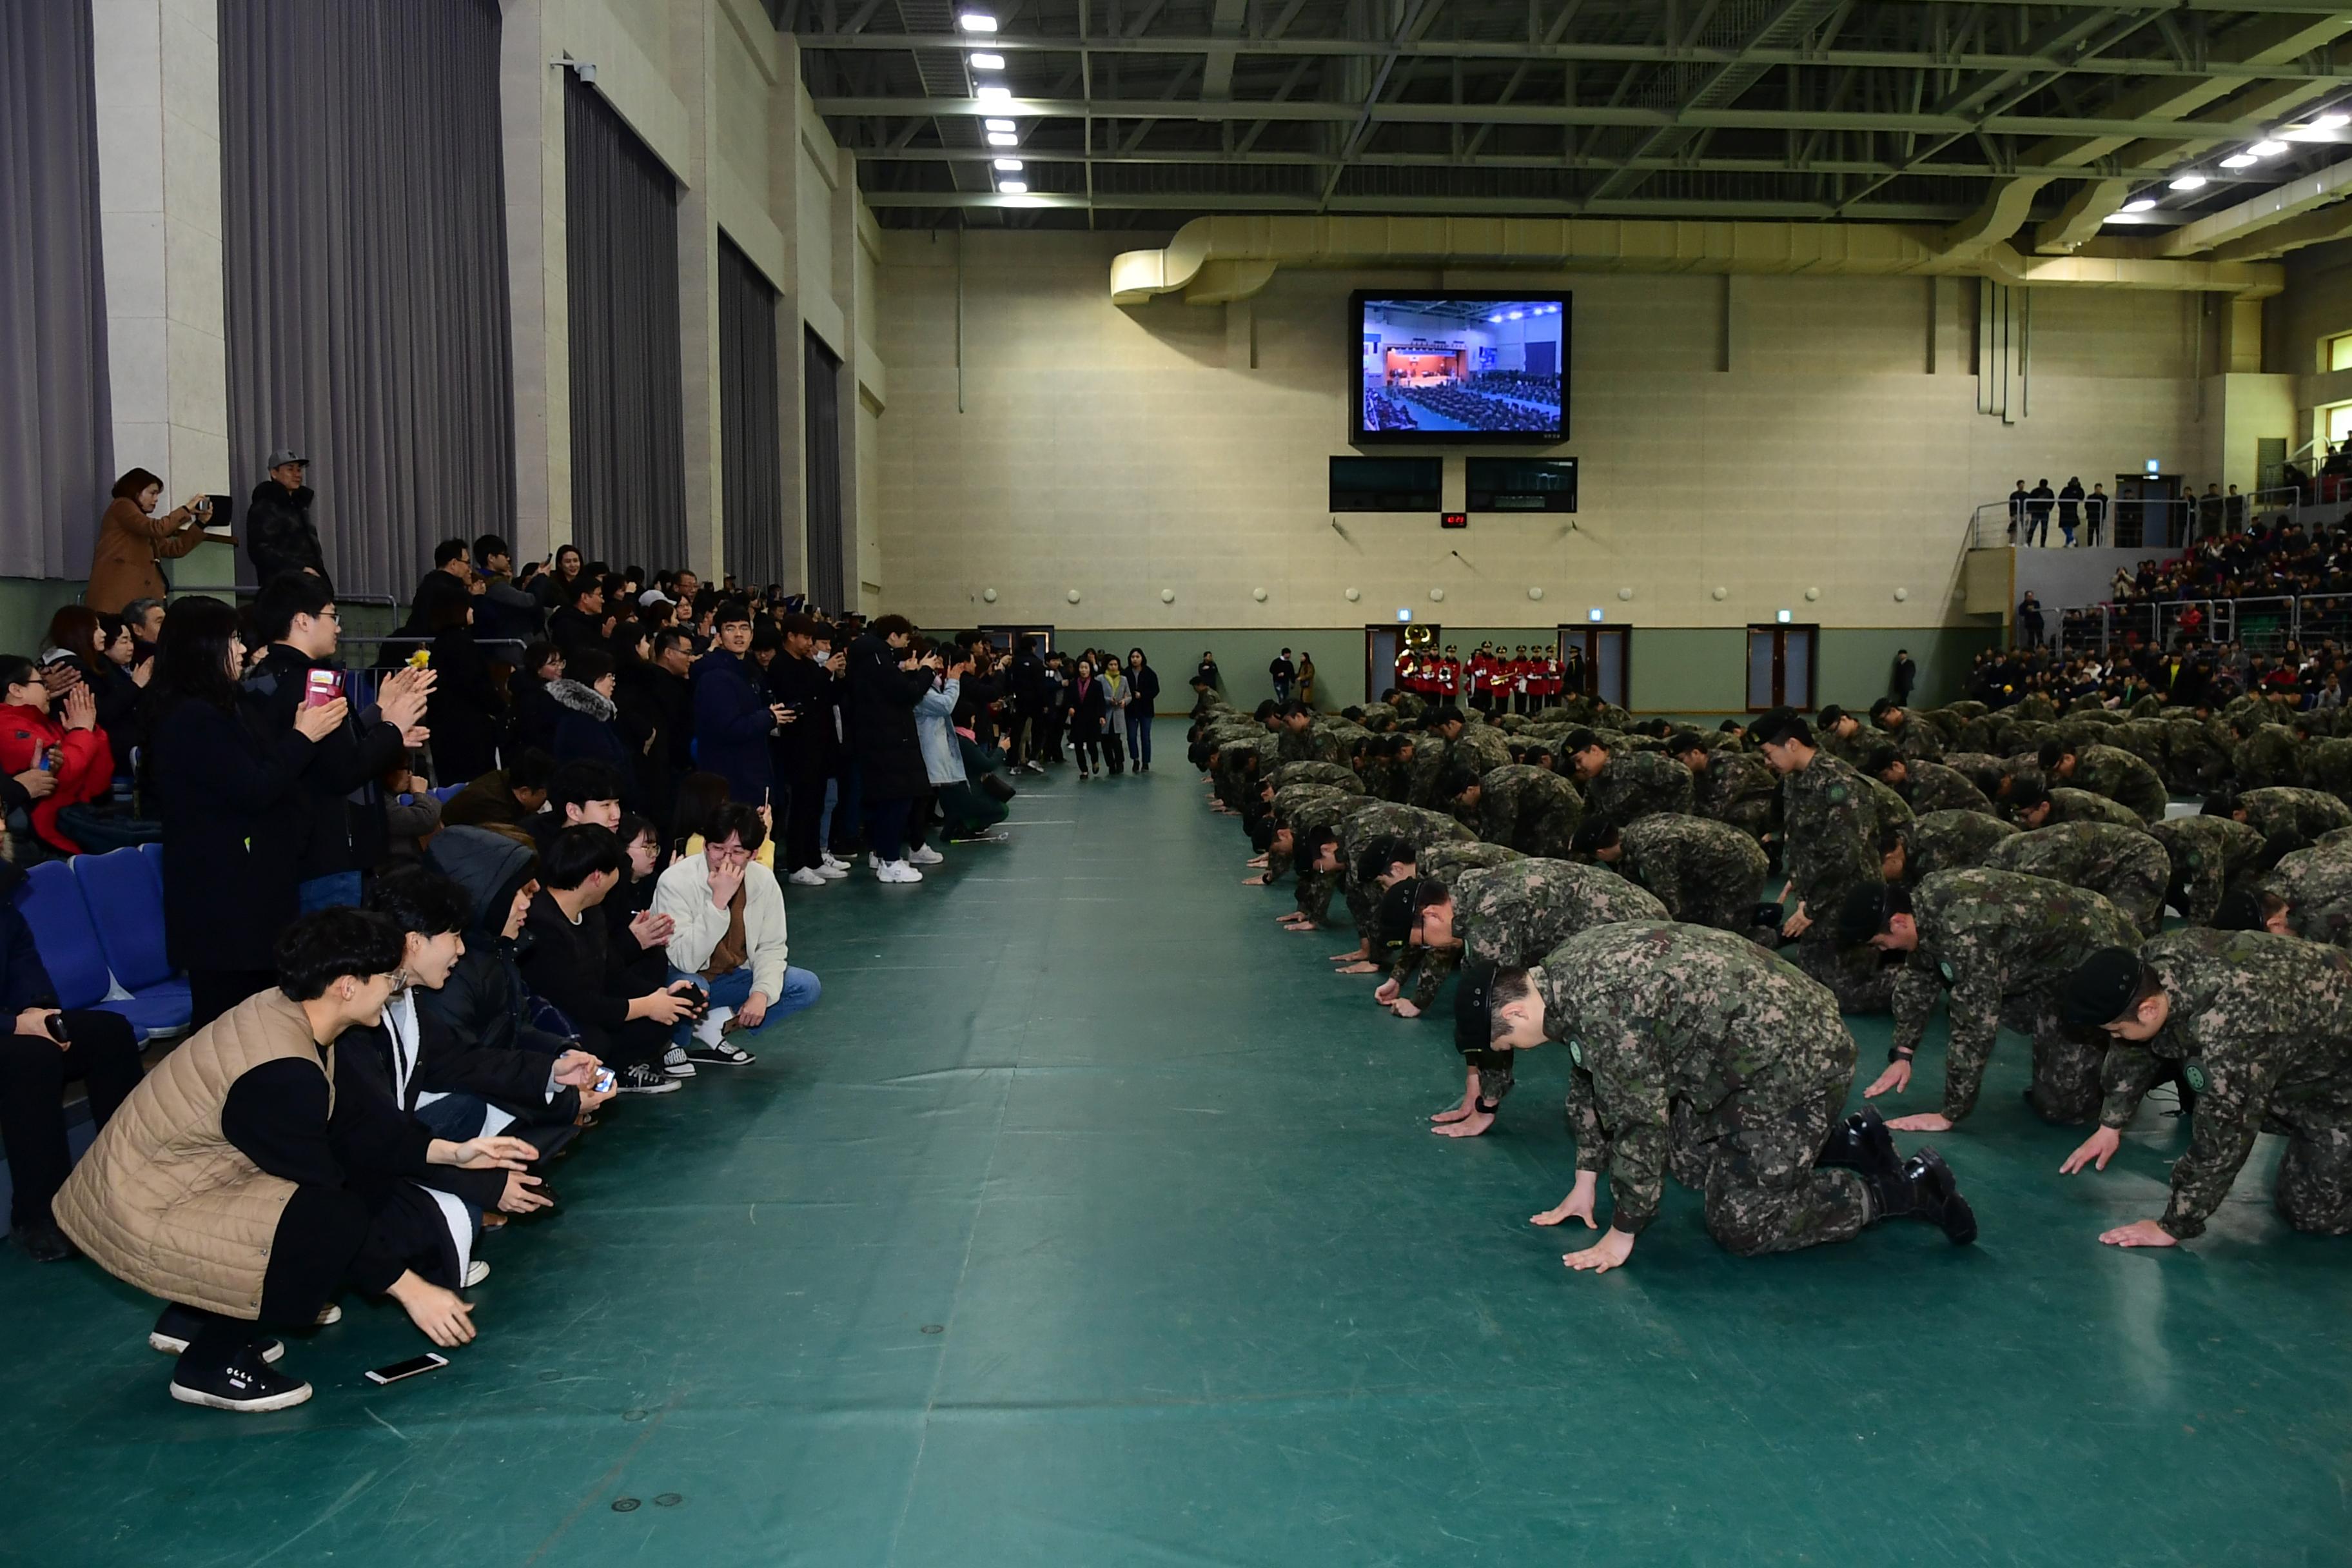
1475 411
437 908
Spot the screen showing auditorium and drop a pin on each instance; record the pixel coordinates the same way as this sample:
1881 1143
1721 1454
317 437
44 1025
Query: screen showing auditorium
1463 369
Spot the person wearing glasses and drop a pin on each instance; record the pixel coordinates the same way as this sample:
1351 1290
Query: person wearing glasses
728 936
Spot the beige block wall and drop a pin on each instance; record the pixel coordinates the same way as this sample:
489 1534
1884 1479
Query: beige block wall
1122 452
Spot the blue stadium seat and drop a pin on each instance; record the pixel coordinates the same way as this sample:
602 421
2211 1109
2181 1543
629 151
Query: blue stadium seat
68 940
154 852
126 905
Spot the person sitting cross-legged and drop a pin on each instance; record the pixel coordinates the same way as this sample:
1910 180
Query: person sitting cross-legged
728 936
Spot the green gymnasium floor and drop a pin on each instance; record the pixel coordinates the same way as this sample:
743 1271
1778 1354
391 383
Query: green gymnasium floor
1086 1221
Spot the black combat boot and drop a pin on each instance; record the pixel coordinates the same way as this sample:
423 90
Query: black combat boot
1862 1142
1924 1190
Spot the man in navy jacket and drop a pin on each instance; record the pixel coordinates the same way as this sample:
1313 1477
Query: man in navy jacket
732 715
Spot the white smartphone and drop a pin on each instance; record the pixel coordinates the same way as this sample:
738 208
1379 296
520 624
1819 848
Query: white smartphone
409 1368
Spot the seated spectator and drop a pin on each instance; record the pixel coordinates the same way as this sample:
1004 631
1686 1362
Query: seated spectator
727 918
411 812
511 796
237 1186
699 796
47 1051
636 934
577 792
73 750
75 651
570 966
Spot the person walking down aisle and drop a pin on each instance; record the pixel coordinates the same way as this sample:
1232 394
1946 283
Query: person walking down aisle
1142 701
1089 720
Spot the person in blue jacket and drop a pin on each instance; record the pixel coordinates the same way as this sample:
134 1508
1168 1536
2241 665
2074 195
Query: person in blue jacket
732 715
47 1050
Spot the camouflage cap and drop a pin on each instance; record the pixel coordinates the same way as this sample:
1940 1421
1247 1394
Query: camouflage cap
2101 987
1474 1023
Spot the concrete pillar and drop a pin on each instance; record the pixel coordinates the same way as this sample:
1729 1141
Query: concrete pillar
531 109
693 62
158 160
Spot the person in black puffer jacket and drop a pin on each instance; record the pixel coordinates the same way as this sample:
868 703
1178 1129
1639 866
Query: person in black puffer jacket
486 1001
278 533
885 683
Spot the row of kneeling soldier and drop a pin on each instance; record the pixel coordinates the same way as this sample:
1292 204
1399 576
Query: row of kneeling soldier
1690 913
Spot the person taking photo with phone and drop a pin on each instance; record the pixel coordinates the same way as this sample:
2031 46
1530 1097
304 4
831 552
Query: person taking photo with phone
132 540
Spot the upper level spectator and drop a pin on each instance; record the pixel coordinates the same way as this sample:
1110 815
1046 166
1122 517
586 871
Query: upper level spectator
131 539
278 533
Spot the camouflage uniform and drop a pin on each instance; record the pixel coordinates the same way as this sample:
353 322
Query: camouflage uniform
1696 1052
1704 873
2266 758
1738 788
2004 944
2263 1028
1887 802
1533 810
1323 811
2070 804
1981 768
1447 864
1291 809
2209 855
1294 745
2318 887
1949 841
2127 867
1832 847
2328 769
2290 819
2194 759
1633 784
1333 774
1932 786
2120 776
1481 748
1912 740
1430 761
1417 828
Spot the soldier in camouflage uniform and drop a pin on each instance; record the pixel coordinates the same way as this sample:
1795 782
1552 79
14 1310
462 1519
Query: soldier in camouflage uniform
2127 867
1730 785
1940 841
2210 855
2260 1026
1841 734
2034 803
1912 739
1924 786
2288 819
1402 952
1622 784
1418 829
2264 755
2313 891
1330 774
1832 827
2328 767
2195 759
1698 1053
1982 769
1531 809
1704 873
2107 771
1319 874
1296 805
2003 945
1480 747
1527 906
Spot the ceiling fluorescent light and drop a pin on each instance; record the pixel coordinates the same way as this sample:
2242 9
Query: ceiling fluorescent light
2141 206
976 22
2189 182
2239 161
997 125
988 62
1002 139
2267 149
1014 187
1010 165
994 94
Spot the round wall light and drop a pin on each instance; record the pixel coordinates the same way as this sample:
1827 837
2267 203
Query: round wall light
1167 595
1072 595
1624 592
1812 594
1354 595
1437 595
989 594
1901 595
1259 595
1721 593
1535 592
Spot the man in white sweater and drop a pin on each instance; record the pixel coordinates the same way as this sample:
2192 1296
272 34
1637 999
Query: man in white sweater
728 936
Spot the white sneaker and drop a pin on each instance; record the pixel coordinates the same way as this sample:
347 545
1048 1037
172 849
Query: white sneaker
832 871
475 1272
712 1026
924 854
827 858
804 877
873 861
898 871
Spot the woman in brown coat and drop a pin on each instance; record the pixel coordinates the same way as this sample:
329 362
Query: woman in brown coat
131 539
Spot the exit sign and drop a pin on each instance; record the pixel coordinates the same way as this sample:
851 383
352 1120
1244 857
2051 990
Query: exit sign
1454 520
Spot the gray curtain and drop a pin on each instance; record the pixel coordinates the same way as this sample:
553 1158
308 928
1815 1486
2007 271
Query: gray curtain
364 194
828 578
57 433
751 417
628 419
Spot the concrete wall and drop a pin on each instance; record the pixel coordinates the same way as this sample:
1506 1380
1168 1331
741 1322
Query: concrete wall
1125 452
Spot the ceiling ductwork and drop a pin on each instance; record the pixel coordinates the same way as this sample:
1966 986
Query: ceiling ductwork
1213 261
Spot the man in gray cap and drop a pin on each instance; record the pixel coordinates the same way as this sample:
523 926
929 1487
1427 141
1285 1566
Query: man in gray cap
278 533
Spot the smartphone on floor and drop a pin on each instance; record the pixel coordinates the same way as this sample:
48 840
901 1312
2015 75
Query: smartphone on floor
409 1368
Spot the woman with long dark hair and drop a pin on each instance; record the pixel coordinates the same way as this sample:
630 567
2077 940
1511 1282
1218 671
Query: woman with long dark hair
217 782
1144 698
1089 718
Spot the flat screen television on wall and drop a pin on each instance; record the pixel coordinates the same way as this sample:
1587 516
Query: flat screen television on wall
1460 370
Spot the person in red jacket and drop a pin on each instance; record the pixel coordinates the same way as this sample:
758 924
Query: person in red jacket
74 750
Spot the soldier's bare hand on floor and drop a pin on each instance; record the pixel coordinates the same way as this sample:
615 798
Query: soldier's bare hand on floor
1455 1112
1362 967
1351 955
1577 1205
1608 1253
1405 1009
2140 1233
1387 992
1894 1080
1470 1126
1922 1121
2097 1149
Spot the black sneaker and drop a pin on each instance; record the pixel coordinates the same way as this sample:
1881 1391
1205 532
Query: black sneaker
178 1325
246 1385
643 1080
43 1243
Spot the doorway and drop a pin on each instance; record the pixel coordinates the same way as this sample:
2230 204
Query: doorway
1004 639
2149 511
1597 660
1384 643
1781 664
